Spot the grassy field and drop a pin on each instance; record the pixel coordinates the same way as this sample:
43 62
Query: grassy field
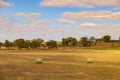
104 48
60 65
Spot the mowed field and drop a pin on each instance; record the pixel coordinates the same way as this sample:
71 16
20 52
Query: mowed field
60 65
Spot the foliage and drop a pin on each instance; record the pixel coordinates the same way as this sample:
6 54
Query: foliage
84 41
70 41
7 44
35 43
21 43
51 44
66 42
106 38
1 44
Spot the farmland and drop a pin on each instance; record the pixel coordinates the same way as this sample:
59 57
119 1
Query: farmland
60 65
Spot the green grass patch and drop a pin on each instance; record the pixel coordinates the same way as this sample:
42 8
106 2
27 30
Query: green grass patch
103 48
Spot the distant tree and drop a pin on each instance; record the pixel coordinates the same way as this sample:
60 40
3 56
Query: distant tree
70 41
7 44
40 40
1 44
35 43
64 42
106 38
84 41
28 43
21 43
52 44
92 40
43 44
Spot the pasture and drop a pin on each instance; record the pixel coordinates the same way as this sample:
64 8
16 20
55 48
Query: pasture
60 65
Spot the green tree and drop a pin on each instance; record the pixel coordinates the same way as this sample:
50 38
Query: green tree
106 38
7 44
84 41
28 43
21 43
36 43
52 44
70 41
64 42
1 44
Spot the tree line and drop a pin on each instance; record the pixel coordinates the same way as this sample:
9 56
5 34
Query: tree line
51 44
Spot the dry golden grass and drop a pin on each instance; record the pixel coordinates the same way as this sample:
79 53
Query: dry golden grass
59 65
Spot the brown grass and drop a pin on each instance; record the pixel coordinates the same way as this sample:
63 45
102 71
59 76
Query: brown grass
59 65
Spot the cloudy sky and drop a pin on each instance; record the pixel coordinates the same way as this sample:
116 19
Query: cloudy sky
54 19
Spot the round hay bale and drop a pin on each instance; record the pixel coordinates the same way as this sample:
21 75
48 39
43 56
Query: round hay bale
89 60
38 60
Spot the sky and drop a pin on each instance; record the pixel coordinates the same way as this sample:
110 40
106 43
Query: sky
55 19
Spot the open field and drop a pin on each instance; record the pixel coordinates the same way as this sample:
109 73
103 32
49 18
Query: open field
104 48
60 65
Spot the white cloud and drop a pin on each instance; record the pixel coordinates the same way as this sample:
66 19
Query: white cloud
4 23
66 21
4 4
34 22
88 24
93 15
96 29
28 15
79 3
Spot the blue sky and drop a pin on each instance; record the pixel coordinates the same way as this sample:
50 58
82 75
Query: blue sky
54 19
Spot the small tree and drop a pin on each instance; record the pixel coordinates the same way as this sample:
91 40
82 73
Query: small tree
1 44
7 44
35 43
52 44
70 41
27 43
21 43
84 41
106 38
64 42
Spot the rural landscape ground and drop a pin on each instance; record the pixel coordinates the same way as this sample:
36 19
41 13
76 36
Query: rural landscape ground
60 65
59 39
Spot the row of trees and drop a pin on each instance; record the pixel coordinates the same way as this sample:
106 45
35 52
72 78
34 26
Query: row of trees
34 44
66 42
21 43
84 41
